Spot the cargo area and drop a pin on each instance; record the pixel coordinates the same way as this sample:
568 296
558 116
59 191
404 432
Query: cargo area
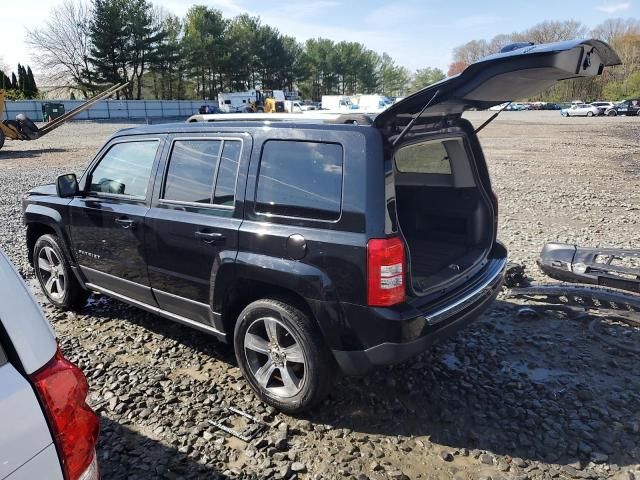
445 217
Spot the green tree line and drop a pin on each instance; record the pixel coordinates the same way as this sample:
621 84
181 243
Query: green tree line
19 86
164 56
616 83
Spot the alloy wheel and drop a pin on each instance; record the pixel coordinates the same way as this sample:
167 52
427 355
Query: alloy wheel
275 357
52 273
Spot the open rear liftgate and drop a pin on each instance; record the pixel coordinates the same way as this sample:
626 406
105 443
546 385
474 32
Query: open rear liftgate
23 128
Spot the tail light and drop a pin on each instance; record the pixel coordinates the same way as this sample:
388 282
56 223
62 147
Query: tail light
385 271
62 389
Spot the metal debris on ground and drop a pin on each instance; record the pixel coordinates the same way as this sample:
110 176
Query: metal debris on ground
249 432
609 267
582 296
527 312
515 276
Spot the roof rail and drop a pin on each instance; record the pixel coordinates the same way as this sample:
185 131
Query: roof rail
307 117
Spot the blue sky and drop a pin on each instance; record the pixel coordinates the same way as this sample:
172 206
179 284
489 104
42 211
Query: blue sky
416 33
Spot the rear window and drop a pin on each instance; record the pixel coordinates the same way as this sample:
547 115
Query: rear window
300 179
431 157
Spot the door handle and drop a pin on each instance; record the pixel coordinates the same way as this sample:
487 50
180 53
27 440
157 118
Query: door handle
125 222
210 237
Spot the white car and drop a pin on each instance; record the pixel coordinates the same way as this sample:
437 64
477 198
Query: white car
47 429
580 110
603 106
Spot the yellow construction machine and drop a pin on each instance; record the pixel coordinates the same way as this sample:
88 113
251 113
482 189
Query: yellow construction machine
22 128
269 101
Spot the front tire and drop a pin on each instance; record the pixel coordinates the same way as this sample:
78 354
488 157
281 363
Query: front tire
589 114
55 276
282 355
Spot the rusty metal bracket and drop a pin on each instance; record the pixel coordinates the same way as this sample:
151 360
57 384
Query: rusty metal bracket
257 427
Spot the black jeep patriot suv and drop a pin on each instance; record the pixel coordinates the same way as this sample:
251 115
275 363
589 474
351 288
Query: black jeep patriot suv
309 242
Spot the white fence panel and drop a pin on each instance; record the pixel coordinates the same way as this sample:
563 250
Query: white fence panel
109 109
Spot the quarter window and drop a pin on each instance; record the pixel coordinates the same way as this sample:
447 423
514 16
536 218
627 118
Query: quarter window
300 179
125 169
191 170
429 157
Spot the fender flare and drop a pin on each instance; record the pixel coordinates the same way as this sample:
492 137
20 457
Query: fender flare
308 282
40 214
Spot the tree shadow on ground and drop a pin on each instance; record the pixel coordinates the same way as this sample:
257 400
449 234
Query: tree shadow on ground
124 453
6 154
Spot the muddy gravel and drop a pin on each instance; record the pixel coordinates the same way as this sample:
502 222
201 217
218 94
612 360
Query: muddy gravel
514 396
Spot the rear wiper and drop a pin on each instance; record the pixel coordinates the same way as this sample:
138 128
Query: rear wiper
491 118
406 129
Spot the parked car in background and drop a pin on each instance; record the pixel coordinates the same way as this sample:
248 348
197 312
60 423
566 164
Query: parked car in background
204 109
510 107
47 429
550 106
602 106
625 107
580 110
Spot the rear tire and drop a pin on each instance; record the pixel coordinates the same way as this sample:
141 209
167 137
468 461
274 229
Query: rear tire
282 355
57 280
612 113
589 114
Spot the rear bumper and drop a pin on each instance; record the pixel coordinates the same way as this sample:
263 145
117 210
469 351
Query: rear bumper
413 328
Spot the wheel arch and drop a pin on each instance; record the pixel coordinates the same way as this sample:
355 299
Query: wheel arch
252 276
41 220
244 291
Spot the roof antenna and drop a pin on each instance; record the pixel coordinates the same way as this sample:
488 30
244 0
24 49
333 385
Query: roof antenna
406 129
492 117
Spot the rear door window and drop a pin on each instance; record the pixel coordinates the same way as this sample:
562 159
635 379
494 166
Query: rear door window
125 169
192 167
430 157
300 179
203 171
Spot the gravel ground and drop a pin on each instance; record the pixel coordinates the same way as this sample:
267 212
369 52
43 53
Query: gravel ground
511 397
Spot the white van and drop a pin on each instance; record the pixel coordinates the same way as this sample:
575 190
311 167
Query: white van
337 103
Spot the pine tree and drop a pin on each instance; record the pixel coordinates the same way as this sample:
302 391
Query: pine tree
21 78
108 36
14 81
31 90
5 81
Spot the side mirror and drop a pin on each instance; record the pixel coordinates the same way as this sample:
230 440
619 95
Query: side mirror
67 185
